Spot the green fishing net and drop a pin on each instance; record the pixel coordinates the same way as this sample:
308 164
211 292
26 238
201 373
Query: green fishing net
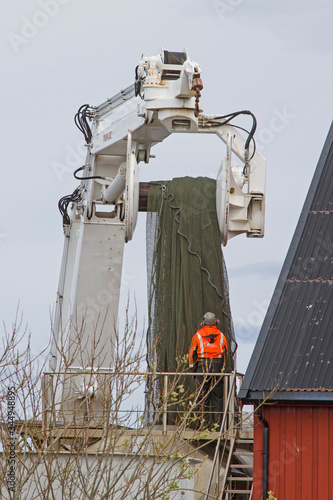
187 275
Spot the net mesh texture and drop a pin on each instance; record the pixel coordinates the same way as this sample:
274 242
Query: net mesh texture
187 275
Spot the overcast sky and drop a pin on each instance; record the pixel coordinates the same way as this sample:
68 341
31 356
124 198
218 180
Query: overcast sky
273 57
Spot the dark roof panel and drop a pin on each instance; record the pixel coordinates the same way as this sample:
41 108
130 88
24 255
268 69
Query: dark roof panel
293 355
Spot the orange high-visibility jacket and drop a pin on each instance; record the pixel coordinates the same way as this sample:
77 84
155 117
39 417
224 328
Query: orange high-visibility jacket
209 342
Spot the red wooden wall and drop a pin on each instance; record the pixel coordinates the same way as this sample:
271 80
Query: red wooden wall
300 452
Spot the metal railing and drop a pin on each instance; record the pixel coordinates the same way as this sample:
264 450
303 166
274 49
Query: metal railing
101 383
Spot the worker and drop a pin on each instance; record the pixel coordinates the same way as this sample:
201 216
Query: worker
210 347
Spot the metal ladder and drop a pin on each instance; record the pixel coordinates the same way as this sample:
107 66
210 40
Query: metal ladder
237 483
238 478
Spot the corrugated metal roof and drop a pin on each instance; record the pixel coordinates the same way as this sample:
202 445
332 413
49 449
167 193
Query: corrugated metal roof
293 356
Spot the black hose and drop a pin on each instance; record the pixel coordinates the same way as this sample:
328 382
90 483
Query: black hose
88 176
81 118
65 201
265 453
230 116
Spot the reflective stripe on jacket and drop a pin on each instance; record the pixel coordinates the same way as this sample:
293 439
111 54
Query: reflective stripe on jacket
209 342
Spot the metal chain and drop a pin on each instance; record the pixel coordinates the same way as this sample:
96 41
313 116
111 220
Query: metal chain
197 86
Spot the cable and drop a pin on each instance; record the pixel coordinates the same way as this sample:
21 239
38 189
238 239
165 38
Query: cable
137 82
65 201
88 177
84 113
253 140
230 116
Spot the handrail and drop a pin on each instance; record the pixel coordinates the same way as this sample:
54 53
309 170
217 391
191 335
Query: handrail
48 405
111 371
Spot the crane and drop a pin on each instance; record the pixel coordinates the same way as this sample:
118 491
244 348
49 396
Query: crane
100 216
